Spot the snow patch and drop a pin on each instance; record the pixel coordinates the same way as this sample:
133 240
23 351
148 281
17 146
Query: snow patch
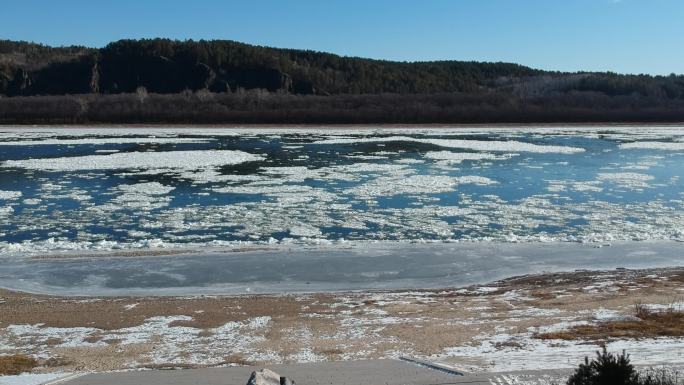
31 378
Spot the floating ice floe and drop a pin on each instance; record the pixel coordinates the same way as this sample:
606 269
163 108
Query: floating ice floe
630 180
8 195
141 196
305 231
414 184
149 188
579 186
409 161
477 145
448 157
99 141
6 211
667 146
166 160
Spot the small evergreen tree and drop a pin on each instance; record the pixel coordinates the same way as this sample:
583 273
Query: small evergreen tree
613 369
605 369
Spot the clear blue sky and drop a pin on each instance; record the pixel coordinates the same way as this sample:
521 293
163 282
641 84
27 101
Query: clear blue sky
629 36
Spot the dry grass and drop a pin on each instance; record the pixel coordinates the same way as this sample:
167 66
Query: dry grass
169 366
235 359
332 352
650 323
508 344
16 364
91 339
542 295
677 278
112 313
566 335
56 362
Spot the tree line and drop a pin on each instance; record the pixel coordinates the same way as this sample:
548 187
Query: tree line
172 66
226 81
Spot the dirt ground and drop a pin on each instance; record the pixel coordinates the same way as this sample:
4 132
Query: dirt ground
110 333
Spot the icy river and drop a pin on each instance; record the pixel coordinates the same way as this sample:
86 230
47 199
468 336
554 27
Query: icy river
65 191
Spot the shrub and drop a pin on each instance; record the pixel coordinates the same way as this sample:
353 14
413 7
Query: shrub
660 377
16 364
650 323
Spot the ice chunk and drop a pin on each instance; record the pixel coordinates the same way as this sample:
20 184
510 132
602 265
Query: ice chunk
168 160
478 145
7 195
668 146
629 180
83 141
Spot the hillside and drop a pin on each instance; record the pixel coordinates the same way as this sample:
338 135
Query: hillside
169 66
218 81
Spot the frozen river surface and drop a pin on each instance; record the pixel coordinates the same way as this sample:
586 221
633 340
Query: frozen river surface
75 189
373 267
104 189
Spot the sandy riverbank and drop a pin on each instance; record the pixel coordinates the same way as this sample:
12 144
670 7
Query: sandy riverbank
489 327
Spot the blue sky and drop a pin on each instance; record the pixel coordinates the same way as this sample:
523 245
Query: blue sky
628 36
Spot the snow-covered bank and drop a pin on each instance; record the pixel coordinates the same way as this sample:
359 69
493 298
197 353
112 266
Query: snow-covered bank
476 328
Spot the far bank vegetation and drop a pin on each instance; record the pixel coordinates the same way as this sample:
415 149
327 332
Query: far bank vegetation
264 107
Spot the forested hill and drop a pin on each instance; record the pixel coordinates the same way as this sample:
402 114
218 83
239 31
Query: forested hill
217 82
168 66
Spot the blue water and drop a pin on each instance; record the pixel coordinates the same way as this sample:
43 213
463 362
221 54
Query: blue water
632 194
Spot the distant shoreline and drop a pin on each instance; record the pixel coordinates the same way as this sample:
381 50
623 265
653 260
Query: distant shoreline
344 126
276 108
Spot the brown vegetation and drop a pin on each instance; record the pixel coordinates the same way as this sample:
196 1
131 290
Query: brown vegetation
16 364
648 323
508 344
261 107
236 360
109 314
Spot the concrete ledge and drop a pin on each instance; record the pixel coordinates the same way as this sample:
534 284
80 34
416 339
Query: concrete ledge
434 365
370 372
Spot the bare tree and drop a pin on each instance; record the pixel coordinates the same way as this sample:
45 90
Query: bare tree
141 93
